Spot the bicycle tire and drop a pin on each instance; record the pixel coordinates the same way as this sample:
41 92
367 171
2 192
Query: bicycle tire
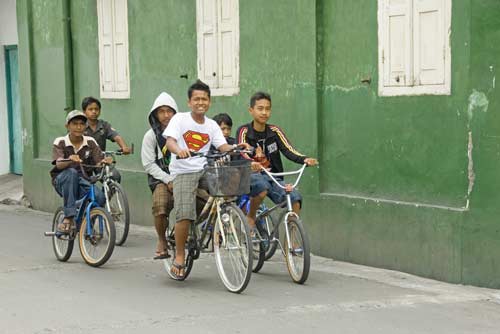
270 250
259 251
235 231
62 245
122 224
90 242
168 262
298 262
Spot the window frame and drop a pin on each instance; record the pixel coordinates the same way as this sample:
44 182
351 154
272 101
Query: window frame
219 90
113 93
422 89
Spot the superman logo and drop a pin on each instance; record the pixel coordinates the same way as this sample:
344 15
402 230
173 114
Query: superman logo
195 140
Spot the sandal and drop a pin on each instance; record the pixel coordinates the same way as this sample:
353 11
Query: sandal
179 267
161 255
64 227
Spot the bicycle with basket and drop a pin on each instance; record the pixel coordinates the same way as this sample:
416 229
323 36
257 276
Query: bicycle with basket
221 227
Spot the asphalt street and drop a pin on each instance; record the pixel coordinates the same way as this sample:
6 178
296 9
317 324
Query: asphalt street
133 294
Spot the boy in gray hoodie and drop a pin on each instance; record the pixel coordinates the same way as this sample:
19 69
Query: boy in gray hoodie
155 160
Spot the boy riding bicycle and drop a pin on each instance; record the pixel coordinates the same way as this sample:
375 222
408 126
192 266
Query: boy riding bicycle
68 153
269 141
186 132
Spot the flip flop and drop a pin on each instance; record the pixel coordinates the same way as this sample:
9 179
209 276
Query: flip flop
64 228
179 267
161 256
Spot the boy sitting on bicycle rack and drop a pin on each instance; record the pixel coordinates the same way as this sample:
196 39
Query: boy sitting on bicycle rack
190 131
101 130
66 175
268 141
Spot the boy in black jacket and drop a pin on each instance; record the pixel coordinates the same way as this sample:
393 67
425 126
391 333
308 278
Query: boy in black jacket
268 141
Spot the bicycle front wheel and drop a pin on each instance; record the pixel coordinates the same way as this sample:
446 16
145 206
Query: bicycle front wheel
233 248
97 237
62 244
297 253
120 212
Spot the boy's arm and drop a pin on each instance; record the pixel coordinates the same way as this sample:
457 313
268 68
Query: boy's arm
58 154
113 135
121 142
242 138
286 147
148 159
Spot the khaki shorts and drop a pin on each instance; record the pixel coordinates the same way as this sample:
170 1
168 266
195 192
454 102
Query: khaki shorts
163 200
189 194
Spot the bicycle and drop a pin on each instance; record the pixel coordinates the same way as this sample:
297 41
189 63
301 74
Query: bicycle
266 226
93 225
220 224
296 248
116 199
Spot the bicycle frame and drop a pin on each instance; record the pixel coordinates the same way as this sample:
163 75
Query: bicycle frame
288 200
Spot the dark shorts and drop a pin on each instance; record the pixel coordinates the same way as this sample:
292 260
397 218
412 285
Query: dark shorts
262 182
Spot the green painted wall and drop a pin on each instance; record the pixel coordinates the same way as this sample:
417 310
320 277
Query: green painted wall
394 170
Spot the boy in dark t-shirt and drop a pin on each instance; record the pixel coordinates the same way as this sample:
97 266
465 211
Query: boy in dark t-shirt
269 141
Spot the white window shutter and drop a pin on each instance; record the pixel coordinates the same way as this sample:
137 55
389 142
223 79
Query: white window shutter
429 42
206 19
396 49
106 54
120 46
228 40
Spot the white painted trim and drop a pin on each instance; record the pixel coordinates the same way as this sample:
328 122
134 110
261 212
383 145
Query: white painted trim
398 202
225 91
115 95
444 89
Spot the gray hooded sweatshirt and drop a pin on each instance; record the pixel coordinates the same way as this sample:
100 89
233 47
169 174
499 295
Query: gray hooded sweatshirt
150 141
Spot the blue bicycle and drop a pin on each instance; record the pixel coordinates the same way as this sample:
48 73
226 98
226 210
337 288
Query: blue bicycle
94 227
264 246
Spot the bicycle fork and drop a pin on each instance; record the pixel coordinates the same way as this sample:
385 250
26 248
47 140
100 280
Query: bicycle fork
288 214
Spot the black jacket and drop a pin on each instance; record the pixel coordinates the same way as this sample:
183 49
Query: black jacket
274 143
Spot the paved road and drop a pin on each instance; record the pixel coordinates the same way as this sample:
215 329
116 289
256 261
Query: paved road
132 294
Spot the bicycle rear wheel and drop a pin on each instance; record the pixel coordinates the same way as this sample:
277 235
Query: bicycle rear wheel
120 212
297 253
270 242
97 246
62 244
233 248
168 262
259 240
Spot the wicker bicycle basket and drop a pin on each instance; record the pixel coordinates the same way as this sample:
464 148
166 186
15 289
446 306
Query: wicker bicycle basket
230 179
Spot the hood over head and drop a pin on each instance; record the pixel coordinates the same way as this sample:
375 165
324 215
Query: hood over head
164 99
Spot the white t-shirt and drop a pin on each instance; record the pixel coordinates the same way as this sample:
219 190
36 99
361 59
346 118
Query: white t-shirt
194 137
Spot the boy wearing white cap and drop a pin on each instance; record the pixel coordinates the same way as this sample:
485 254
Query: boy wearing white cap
66 175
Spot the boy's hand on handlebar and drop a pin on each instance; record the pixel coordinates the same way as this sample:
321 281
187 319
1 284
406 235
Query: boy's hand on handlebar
107 160
255 166
311 162
245 146
183 154
126 150
75 158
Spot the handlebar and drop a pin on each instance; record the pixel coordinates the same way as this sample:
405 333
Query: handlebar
92 178
218 155
299 171
119 152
